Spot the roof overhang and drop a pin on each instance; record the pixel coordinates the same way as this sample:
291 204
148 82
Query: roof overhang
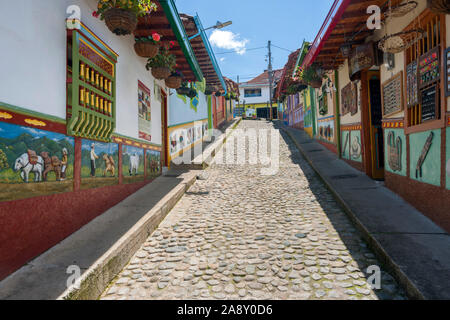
166 21
203 51
346 23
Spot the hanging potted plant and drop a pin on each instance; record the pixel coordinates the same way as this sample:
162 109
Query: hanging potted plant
147 47
175 80
439 6
162 64
218 94
121 17
192 93
209 90
311 77
228 96
184 89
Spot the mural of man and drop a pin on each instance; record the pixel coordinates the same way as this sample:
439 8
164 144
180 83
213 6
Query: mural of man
93 158
64 161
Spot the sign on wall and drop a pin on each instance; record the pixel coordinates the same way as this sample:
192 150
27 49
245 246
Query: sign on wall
349 99
392 95
145 114
429 67
34 162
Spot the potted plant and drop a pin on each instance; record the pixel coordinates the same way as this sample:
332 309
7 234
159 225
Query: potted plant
218 94
174 80
162 64
183 89
121 16
439 6
147 47
209 90
192 93
311 77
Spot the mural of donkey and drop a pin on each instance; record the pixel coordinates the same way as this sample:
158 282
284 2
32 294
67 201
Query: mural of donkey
25 165
134 164
51 164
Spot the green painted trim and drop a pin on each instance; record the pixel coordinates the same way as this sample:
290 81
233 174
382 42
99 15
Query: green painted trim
210 120
337 114
31 113
180 124
117 135
180 33
312 93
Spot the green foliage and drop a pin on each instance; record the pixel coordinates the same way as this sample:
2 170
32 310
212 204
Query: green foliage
163 59
3 160
139 7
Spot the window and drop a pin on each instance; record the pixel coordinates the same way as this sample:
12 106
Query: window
91 86
423 68
252 93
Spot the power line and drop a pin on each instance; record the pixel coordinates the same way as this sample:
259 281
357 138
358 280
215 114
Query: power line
282 48
251 49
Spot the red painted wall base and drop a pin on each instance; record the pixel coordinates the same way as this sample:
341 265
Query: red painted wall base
29 227
435 207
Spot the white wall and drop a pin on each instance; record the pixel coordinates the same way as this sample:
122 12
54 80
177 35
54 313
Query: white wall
33 61
181 112
265 95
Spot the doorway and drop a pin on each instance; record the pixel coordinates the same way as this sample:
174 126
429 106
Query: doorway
164 130
375 125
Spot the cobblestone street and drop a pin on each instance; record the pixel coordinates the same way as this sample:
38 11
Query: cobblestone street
240 235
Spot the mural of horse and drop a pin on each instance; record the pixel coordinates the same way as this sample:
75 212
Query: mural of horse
25 167
109 165
134 164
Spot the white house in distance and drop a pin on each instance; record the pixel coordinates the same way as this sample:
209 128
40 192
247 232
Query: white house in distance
255 94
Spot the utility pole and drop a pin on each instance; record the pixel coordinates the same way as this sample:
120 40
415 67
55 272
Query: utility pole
270 77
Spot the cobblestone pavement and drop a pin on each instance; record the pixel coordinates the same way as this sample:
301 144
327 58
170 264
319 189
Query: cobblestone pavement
240 235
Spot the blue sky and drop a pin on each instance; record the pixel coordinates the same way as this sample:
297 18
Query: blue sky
285 22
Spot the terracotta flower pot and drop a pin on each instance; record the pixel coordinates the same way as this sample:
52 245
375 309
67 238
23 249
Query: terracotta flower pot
146 49
161 73
173 82
183 91
315 83
120 21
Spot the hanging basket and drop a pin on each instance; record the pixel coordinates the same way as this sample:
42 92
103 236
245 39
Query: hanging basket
173 82
401 9
161 73
192 93
218 94
209 90
315 83
399 42
120 21
146 49
439 6
183 91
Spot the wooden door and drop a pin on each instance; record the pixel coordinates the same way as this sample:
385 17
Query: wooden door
375 125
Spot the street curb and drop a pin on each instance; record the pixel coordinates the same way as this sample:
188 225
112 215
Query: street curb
411 289
97 278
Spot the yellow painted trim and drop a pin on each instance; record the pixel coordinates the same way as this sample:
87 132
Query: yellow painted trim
98 39
171 129
101 55
185 149
5 115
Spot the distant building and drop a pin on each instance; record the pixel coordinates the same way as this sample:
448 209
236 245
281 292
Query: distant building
255 93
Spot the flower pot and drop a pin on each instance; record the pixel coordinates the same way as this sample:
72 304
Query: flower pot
120 21
218 94
146 49
161 73
439 6
192 93
315 83
173 82
183 91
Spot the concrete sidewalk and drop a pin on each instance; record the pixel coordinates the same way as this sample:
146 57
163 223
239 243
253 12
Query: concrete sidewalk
102 247
415 249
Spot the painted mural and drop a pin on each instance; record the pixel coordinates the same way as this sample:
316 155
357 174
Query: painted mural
326 130
153 163
183 137
99 164
34 162
447 160
395 151
132 164
355 146
425 157
345 145
145 114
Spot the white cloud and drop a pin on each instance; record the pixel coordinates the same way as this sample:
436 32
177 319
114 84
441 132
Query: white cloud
222 59
228 40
